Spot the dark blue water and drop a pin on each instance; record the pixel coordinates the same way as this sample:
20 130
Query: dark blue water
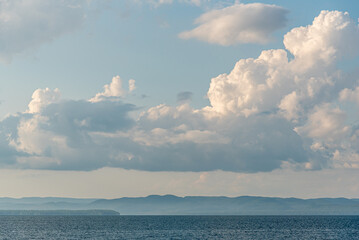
179 227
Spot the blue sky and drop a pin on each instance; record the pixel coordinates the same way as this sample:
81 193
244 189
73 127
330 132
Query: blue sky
282 115
127 39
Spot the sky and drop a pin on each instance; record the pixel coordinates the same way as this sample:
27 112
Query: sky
107 99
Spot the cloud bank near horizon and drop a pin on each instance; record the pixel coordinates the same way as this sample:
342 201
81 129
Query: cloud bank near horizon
270 112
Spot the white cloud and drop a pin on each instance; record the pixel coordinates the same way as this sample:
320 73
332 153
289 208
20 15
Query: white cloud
252 85
325 123
58 137
240 23
114 90
350 95
35 141
290 106
331 36
42 98
272 80
131 85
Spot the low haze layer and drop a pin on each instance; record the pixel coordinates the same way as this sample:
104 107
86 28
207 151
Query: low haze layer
289 106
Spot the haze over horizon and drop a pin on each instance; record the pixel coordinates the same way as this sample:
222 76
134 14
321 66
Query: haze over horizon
110 99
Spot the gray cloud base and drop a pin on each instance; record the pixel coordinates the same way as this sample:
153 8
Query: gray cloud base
259 143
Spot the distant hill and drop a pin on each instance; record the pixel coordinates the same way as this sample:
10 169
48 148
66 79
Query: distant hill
192 205
59 212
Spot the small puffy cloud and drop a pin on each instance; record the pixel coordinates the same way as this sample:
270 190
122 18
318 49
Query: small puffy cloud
114 90
195 2
157 3
164 1
184 96
240 23
42 98
27 24
153 3
131 85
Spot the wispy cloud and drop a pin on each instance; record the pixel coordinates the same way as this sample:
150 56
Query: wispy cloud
25 25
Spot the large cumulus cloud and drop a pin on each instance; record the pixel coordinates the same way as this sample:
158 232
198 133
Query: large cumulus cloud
269 112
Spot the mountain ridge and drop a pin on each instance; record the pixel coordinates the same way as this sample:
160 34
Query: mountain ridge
192 205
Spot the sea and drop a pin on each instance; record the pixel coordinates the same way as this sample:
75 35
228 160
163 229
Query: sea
179 227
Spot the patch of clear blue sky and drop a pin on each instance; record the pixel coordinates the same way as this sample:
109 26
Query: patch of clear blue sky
140 42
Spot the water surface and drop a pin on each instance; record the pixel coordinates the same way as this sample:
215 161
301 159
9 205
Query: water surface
179 227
